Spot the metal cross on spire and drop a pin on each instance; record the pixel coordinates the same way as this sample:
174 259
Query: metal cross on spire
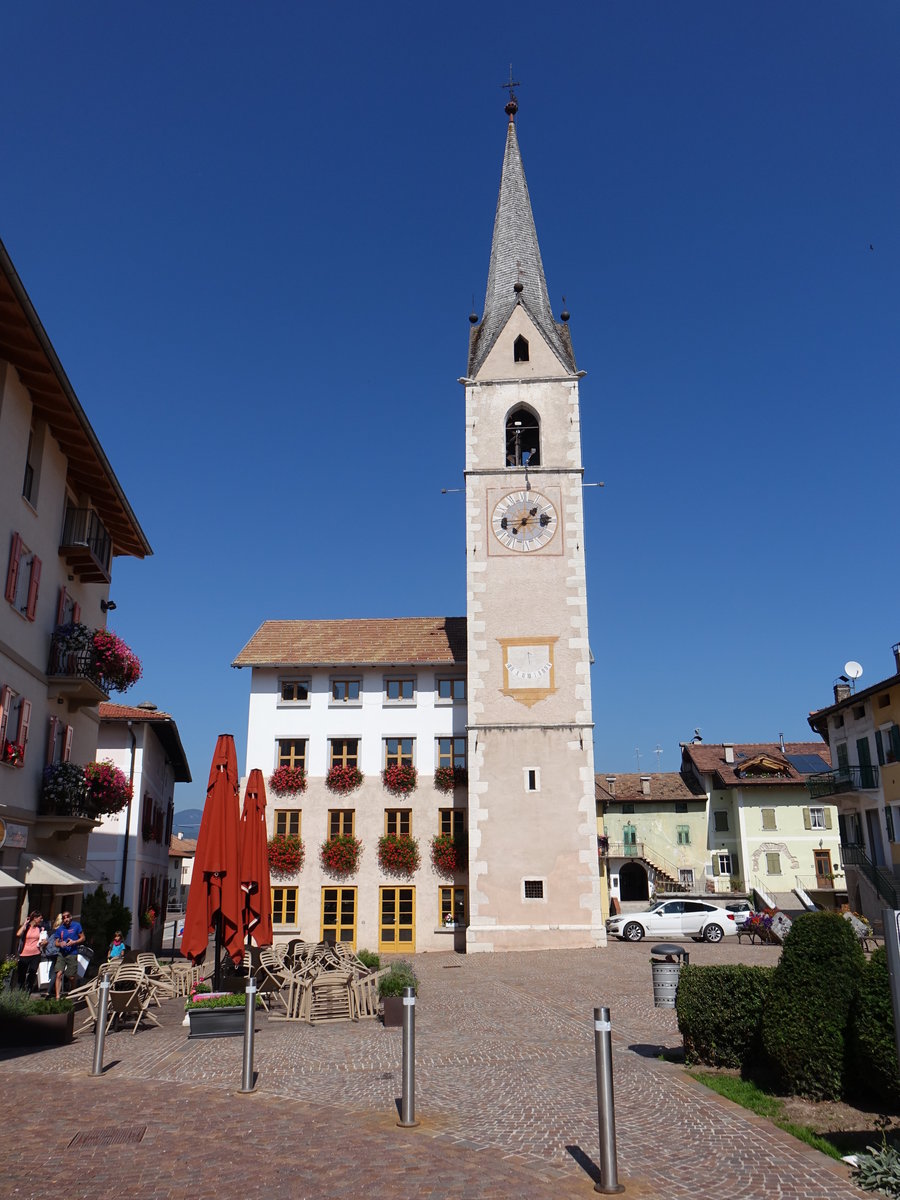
512 105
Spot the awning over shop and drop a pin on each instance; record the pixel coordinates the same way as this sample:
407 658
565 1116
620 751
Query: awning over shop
7 881
50 872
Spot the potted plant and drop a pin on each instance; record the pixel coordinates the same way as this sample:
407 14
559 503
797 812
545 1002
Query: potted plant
390 988
341 779
117 666
287 781
216 1014
28 1022
448 853
398 854
13 754
108 788
286 854
64 791
448 778
340 855
400 778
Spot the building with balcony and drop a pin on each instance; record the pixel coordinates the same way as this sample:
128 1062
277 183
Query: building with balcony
129 850
63 519
764 833
862 729
654 834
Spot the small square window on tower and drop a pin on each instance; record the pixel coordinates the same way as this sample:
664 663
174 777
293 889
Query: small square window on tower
533 889
532 777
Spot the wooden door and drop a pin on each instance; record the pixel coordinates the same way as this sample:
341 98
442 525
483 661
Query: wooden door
824 877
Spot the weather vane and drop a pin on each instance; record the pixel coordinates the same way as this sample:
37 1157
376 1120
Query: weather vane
512 105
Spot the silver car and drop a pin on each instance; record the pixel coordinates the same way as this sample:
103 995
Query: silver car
675 918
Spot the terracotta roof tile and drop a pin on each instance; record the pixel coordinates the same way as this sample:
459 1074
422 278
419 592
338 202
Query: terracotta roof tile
165 729
182 847
379 640
128 712
664 785
710 760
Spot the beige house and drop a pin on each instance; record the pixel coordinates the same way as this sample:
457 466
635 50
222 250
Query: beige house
654 834
764 834
63 519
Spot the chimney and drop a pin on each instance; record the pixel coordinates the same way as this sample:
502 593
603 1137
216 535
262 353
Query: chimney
645 785
180 834
841 692
611 784
781 740
896 650
729 752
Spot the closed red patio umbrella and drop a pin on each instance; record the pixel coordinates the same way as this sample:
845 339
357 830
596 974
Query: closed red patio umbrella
255 886
215 899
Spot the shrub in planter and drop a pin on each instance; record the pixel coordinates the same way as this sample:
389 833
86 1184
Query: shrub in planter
341 779
398 854
368 959
211 1000
449 854
286 854
16 1003
287 781
806 1017
719 1011
401 975
400 778
340 855
873 1049
65 791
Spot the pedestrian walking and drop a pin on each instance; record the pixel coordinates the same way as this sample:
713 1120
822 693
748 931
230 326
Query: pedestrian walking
32 935
69 937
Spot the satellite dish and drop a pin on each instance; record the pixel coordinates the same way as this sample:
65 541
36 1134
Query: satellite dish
852 669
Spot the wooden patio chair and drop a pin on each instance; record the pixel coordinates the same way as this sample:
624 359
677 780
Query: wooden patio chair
131 1002
364 991
330 998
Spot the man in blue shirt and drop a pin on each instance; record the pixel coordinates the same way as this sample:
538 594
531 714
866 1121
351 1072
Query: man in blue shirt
69 937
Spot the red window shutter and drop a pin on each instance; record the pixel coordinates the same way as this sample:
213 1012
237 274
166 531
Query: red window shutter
24 722
33 586
5 702
76 613
51 740
67 743
12 574
61 606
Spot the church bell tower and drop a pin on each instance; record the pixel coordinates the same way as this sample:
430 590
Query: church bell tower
534 878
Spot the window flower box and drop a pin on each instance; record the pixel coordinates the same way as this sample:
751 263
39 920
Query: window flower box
449 854
287 781
400 778
13 754
340 855
448 778
341 779
398 854
286 854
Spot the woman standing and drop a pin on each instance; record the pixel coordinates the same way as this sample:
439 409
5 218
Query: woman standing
33 937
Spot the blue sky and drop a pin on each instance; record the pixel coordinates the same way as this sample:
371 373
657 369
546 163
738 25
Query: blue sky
253 234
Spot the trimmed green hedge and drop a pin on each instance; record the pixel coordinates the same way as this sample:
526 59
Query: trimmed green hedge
873 1049
807 1014
719 1011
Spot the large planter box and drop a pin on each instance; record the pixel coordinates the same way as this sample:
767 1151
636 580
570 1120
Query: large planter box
216 1022
46 1029
392 1011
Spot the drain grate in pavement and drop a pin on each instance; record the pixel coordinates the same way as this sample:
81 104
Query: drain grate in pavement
115 1135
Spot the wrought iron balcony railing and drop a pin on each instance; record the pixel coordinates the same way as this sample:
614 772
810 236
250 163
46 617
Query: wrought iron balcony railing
882 880
842 779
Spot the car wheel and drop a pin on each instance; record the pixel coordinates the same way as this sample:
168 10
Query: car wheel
713 933
633 932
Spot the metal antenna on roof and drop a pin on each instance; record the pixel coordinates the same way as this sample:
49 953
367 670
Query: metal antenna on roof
637 755
658 752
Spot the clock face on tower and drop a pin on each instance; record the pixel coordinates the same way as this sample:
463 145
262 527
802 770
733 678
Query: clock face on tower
524 521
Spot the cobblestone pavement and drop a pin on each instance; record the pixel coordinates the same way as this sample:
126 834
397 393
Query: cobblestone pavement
505 1091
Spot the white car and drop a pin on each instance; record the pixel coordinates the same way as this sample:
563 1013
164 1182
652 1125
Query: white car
675 918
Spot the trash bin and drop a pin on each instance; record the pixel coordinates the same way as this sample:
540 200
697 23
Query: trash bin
666 969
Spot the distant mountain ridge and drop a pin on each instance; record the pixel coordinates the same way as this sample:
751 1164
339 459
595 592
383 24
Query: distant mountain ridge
187 822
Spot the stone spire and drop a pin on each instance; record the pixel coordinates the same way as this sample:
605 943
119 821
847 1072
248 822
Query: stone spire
516 273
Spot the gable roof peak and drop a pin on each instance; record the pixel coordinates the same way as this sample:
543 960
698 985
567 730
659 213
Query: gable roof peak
516 272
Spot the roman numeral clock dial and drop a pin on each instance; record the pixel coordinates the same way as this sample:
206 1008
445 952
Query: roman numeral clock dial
524 521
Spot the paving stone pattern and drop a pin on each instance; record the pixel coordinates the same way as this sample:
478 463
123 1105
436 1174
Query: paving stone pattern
505 1091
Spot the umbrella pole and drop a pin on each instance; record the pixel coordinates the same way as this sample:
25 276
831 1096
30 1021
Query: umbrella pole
217 974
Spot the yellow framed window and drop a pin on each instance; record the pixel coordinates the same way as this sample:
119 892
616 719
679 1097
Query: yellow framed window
398 821
451 752
343 752
339 915
453 821
340 820
397 924
399 751
287 821
284 906
453 905
292 752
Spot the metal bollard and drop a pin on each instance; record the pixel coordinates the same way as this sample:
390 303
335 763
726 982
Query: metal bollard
408 1099
247 1085
100 1027
609 1181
